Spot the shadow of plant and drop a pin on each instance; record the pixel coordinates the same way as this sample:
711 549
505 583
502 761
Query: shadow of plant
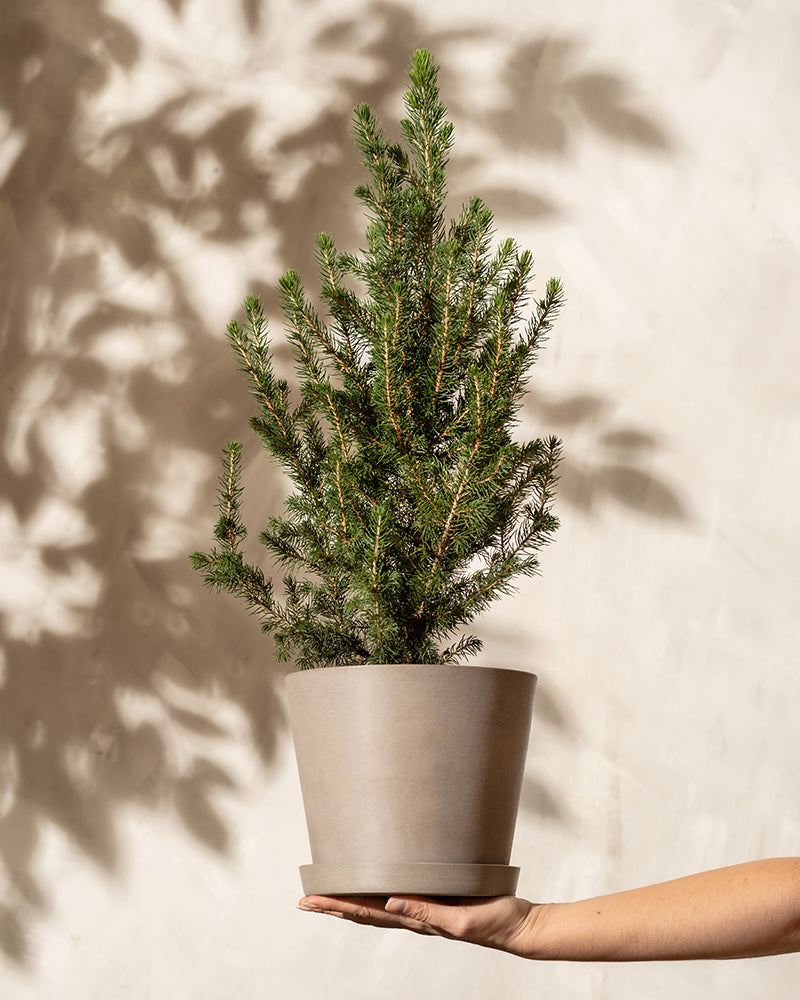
120 678
620 469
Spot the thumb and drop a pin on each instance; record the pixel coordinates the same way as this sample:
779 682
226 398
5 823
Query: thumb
399 905
418 908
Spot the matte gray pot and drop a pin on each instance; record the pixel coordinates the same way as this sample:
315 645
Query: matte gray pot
411 776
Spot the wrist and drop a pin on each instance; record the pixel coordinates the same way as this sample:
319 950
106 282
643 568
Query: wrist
530 938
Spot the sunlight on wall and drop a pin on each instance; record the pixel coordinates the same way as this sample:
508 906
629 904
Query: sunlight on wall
36 597
12 142
179 481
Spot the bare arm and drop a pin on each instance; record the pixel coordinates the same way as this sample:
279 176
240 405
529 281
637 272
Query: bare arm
739 912
744 911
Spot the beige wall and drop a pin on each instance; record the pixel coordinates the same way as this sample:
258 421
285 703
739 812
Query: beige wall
160 159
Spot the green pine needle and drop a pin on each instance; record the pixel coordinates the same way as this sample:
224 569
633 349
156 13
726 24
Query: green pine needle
414 508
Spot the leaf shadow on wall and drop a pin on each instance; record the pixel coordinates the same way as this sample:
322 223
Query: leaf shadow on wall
123 682
620 469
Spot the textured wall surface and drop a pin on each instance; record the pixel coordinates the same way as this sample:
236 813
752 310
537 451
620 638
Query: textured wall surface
160 159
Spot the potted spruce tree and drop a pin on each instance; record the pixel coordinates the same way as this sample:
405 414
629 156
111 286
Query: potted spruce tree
413 509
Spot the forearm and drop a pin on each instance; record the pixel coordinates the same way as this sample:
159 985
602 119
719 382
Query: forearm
743 911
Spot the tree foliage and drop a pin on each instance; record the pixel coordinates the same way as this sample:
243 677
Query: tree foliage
413 506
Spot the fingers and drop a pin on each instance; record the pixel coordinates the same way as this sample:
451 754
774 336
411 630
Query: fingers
374 910
352 907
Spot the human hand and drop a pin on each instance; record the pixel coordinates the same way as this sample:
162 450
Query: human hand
502 922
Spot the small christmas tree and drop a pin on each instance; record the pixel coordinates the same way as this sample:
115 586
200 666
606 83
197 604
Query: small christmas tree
413 506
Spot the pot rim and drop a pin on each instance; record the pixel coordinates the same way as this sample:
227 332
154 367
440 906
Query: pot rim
398 667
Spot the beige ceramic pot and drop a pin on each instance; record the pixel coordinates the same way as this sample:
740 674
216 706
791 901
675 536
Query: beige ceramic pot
411 776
